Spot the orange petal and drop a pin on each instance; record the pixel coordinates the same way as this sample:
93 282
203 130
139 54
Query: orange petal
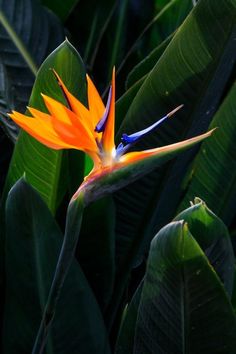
42 117
75 105
96 106
42 133
68 126
72 135
108 134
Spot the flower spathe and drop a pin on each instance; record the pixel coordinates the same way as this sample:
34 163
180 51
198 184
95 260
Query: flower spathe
90 129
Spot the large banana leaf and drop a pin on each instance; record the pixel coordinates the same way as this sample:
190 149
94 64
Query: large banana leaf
153 24
213 171
124 102
171 18
39 30
146 65
33 242
41 165
212 235
193 70
183 307
135 80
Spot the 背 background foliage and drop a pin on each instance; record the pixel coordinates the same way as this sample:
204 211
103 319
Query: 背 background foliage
179 284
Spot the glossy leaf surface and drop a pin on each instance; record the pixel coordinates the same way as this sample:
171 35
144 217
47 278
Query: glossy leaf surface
213 237
193 70
212 176
41 165
183 307
147 64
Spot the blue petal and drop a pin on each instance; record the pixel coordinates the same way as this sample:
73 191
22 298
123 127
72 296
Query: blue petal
119 149
100 127
122 149
128 139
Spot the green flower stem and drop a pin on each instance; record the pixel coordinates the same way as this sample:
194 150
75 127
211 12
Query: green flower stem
18 43
73 224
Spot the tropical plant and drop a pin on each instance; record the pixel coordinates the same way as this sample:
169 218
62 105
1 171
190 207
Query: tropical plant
102 299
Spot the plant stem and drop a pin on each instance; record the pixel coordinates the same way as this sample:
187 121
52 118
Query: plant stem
18 43
73 224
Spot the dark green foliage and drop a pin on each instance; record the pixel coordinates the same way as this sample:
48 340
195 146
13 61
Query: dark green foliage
199 84
40 31
166 53
78 322
183 306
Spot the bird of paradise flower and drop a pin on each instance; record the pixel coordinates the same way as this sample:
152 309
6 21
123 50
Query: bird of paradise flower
92 130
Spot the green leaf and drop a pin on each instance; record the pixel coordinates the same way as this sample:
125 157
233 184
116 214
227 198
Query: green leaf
32 32
96 248
183 307
61 8
135 79
124 102
157 23
33 242
120 18
91 20
146 65
212 175
213 237
125 340
42 165
193 70
171 19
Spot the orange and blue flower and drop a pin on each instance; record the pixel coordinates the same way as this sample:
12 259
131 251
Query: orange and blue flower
90 129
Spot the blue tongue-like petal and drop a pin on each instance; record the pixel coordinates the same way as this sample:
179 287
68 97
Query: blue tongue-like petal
100 127
132 138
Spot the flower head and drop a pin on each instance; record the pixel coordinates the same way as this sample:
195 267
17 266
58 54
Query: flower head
90 129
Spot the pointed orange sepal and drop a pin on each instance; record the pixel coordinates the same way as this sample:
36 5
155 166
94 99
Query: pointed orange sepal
44 133
75 105
96 106
108 135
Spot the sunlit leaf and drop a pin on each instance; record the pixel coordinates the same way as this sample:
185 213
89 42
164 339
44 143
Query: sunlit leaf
41 165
